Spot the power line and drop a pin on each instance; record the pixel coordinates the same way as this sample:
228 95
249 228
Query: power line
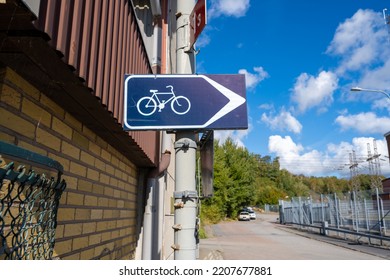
354 171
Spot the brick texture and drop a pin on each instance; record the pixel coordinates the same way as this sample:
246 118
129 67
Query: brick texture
96 217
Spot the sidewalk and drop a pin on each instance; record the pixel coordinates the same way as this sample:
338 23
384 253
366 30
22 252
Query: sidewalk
211 248
208 250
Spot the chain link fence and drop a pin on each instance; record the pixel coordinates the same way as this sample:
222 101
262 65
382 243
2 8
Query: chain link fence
363 214
29 198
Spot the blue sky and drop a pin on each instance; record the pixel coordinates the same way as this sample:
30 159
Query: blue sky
300 59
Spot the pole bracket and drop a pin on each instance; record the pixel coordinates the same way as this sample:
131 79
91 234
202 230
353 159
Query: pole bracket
185 194
178 205
185 144
177 227
175 247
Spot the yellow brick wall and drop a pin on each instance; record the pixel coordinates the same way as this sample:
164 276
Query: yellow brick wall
97 213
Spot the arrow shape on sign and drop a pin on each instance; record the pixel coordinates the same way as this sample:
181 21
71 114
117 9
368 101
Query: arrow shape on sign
235 100
169 102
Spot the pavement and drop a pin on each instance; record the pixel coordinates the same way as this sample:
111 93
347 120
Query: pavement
210 250
382 251
209 253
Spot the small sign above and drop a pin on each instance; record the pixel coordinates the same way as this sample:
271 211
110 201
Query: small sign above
198 20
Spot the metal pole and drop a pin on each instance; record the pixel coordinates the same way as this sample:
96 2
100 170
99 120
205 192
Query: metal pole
366 211
311 210
355 210
371 90
186 195
383 224
300 211
337 210
322 208
281 211
378 211
367 217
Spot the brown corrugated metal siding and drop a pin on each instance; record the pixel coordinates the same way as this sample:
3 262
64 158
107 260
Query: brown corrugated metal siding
101 41
61 96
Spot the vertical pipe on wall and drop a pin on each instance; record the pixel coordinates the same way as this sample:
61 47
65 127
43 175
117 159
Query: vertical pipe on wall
153 212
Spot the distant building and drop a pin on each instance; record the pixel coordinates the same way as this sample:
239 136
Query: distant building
386 182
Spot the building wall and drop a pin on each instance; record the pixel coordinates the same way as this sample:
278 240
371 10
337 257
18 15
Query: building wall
100 40
97 214
387 137
168 65
168 213
66 101
386 182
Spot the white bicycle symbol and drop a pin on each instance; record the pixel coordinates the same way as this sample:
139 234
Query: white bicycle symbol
148 105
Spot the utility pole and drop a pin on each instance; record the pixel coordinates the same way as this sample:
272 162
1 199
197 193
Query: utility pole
374 166
185 195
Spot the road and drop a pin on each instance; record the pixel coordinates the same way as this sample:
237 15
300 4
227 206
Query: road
265 239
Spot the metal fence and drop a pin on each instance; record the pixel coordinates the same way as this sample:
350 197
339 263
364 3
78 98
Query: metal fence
271 208
29 201
364 214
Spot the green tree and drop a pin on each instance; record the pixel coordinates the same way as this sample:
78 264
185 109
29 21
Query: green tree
234 177
242 178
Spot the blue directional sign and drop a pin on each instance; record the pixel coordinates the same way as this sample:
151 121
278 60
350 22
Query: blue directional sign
181 102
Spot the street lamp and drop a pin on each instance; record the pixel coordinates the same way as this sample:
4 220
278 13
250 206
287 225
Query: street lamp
371 90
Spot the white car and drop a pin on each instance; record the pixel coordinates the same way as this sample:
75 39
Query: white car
244 216
252 215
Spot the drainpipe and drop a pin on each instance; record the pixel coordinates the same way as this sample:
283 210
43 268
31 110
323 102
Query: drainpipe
155 7
155 197
152 234
156 57
140 210
158 218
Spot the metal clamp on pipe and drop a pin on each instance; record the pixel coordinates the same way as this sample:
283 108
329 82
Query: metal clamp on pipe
175 247
178 204
177 227
185 145
185 194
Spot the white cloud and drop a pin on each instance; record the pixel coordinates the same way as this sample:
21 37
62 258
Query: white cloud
335 160
360 41
237 136
364 123
267 106
283 146
203 40
230 8
381 104
292 156
253 79
283 121
310 91
377 78
343 152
